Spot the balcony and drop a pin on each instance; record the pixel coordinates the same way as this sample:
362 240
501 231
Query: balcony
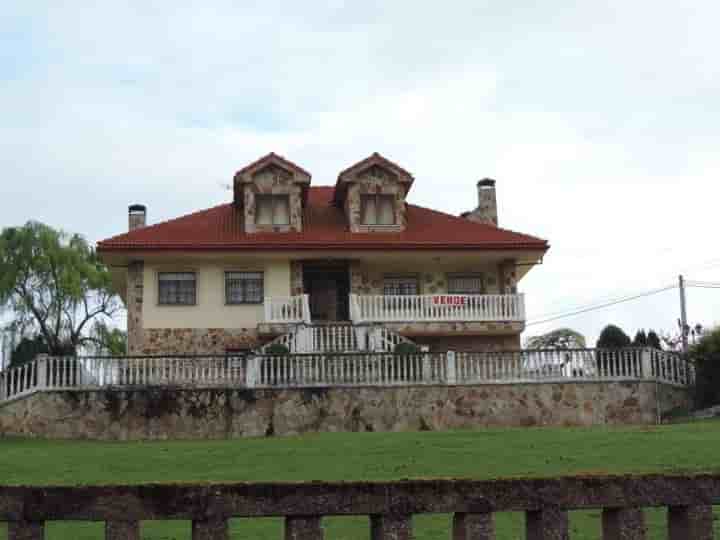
428 308
438 308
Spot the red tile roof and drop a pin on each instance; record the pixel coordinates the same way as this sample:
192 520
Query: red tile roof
324 227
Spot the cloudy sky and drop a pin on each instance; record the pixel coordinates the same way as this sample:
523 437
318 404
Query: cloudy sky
598 119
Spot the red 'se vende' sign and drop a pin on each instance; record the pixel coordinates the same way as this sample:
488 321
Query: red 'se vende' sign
448 300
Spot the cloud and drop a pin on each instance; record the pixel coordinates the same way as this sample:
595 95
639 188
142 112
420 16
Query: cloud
598 120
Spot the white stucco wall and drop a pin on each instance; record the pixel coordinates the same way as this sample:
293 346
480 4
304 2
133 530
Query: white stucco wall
211 310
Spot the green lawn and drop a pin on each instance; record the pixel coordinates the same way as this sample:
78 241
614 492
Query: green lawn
365 456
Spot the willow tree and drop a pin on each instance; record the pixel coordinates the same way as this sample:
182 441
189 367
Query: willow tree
53 285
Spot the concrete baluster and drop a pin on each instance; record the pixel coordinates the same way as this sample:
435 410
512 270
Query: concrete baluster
623 524
213 529
451 367
694 522
473 527
122 530
26 530
304 528
391 527
549 523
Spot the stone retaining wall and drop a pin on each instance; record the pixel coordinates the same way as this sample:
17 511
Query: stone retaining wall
182 413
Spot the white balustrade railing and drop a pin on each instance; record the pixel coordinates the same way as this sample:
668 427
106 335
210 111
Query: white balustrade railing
437 308
347 369
289 309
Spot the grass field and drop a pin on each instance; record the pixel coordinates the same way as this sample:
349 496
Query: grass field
365 456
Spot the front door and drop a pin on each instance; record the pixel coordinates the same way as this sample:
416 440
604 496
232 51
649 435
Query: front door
328 286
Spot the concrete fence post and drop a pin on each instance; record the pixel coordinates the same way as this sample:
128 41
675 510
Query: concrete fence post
451 361
549 523
391 527
473 526
26 530
690 522
623 524
303 528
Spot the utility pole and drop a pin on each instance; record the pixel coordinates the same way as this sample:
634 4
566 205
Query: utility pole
683 315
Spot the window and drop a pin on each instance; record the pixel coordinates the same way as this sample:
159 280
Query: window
400 285
244 287
177 288
272 209
378 209
465 284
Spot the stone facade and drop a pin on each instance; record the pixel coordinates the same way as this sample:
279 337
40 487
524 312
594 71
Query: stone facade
158 341
365 280
375 180
464 342
164 413
507 275
134 305
297 286
486 211
273 180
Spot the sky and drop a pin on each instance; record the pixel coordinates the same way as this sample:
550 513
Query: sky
599 121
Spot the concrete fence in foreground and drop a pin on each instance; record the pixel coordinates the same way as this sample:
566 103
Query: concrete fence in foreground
390 506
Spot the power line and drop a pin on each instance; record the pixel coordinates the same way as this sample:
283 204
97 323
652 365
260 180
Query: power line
602 306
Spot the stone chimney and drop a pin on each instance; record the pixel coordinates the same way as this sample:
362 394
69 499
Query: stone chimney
486 211
137 214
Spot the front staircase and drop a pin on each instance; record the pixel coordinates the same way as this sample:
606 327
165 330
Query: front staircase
325 338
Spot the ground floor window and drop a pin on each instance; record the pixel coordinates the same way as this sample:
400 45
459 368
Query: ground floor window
244 287
177 288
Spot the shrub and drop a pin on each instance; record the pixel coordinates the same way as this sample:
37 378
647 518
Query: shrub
406 349
612 337
277 349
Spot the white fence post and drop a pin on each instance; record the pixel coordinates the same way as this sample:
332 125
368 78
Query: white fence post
252 371
41 364
647 373
426 367
451 367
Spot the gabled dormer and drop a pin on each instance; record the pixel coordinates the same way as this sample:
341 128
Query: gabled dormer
373 192
272 192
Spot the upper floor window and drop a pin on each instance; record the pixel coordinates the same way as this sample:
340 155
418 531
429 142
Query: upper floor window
272 209
465 284
378 209
244 287
400 285
177 288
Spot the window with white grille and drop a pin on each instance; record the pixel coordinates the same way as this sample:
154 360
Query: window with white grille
400 285
177 288
466 284
272 209
244 287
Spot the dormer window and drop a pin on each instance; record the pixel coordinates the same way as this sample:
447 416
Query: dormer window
272 210
378 209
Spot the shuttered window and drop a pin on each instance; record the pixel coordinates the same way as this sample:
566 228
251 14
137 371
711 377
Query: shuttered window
465 284
378 209
272 209
177 288
244 287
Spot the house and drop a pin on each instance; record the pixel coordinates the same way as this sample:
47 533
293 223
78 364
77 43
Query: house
352 266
